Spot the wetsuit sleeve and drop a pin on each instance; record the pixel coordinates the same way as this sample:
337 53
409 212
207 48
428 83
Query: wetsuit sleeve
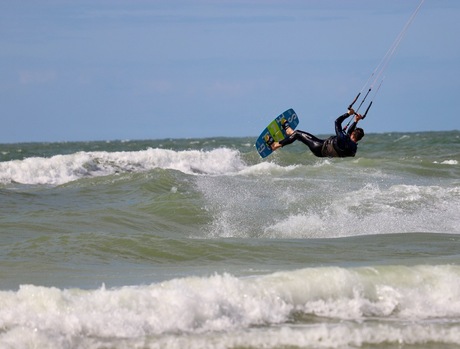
343 142
338 124
352 128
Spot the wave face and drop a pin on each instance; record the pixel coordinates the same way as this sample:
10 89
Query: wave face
391 188
199 243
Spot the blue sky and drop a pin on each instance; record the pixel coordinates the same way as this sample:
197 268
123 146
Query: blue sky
131 69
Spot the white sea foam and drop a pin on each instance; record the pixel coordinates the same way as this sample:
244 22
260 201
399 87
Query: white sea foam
374 210
61 169
267 168
224 308
292 205
448 162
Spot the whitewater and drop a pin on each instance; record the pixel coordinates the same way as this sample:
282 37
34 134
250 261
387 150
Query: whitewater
200 243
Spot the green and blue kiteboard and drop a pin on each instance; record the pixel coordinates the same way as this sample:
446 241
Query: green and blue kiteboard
276 131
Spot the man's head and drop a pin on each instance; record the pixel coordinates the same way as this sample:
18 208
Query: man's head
357 134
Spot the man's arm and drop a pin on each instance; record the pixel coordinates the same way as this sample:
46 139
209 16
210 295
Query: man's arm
355 122
340 119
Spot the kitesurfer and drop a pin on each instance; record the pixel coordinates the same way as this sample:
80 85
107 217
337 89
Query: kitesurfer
343 144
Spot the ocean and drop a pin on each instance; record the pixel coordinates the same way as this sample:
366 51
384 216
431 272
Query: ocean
200 243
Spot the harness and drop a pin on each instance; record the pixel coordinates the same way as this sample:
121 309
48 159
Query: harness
328 149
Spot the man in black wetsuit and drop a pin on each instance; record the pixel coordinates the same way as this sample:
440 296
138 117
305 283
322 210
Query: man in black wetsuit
341 145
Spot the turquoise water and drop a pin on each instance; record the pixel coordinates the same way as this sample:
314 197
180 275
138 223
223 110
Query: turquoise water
199 243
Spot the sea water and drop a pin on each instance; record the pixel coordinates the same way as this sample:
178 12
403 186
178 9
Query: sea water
200 243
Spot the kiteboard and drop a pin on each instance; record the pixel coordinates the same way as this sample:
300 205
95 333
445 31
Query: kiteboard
276 131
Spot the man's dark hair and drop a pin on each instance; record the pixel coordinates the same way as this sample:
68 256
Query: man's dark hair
359 133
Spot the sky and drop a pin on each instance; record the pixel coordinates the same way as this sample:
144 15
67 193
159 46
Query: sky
136 69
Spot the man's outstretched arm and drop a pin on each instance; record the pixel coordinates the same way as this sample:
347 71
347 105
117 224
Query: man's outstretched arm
340 119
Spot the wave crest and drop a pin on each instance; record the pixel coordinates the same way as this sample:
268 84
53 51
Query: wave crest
61 169
408 296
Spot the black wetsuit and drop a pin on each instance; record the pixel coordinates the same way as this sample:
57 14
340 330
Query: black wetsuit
339 145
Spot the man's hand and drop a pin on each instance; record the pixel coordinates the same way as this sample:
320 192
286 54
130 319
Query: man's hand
358 117
351 111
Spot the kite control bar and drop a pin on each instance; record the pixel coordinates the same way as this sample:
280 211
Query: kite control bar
354 101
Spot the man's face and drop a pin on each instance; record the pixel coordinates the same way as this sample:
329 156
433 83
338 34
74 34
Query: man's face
353 137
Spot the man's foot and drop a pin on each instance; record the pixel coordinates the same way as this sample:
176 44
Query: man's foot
284 123
275 145
287 128
269 140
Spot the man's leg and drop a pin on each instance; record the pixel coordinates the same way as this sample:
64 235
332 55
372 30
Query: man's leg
313 143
